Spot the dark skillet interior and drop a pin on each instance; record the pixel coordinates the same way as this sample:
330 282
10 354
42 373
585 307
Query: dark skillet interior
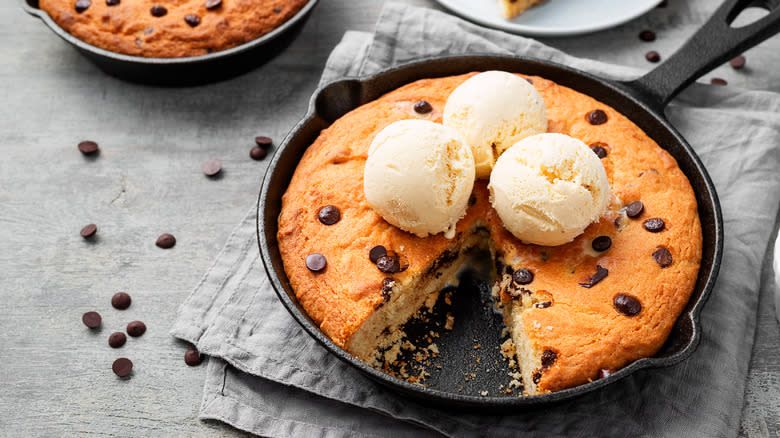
182 72
477 327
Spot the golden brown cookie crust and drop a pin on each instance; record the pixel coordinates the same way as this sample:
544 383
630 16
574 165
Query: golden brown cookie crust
582 325
130 27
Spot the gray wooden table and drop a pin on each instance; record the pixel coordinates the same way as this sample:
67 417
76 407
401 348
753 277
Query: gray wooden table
55 374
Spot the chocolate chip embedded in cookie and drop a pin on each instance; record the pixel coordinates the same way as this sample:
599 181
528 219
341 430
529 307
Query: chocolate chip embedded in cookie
422 107
634 209
376 253
329 215
654 225
192 19
523 276
82 5
601 273
599 150
596 117
387 264
601 243
158 11
627 304
316 262
662 256
548 359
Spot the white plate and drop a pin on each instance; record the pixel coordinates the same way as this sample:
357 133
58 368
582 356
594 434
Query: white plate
555 17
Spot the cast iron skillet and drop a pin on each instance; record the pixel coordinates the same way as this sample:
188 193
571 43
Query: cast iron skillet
642 101
193 70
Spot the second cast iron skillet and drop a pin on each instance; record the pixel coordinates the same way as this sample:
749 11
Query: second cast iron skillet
469 357
186 71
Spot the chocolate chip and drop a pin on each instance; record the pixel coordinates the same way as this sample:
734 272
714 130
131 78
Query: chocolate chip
166 241
112 2
601 243
277 10
515 294
738 62
122 367
523 276
422 107
263 142
543 304
597 117
604 373
316 262
257 153
82 5
662 256
654 225
192 19
387 287
136 328
472 200
652 56
529 80
537 376
88 231
211 4
627 305
121 300
387 264
91 319
117 339
548 359
647 35
193 357
718 81
377 253
88 147
601 273
634 209
599 151
329 215
158 11
212 167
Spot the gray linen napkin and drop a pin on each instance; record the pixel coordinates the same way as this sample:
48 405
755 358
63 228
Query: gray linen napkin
268 377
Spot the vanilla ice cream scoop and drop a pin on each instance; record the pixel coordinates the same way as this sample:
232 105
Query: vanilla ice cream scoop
548 188
494 110
419 176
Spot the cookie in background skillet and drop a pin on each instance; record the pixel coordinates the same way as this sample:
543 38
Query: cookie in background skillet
161 29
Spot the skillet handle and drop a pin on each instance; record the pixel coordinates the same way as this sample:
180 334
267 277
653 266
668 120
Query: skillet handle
715 43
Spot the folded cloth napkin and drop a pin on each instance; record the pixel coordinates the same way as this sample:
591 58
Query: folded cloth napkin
267 376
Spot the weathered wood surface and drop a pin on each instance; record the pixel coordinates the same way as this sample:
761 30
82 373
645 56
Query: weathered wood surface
55 376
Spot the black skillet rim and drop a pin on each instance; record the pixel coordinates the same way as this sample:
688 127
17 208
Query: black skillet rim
490 402
249 45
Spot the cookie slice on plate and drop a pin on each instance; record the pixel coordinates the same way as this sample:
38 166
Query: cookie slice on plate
513 8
